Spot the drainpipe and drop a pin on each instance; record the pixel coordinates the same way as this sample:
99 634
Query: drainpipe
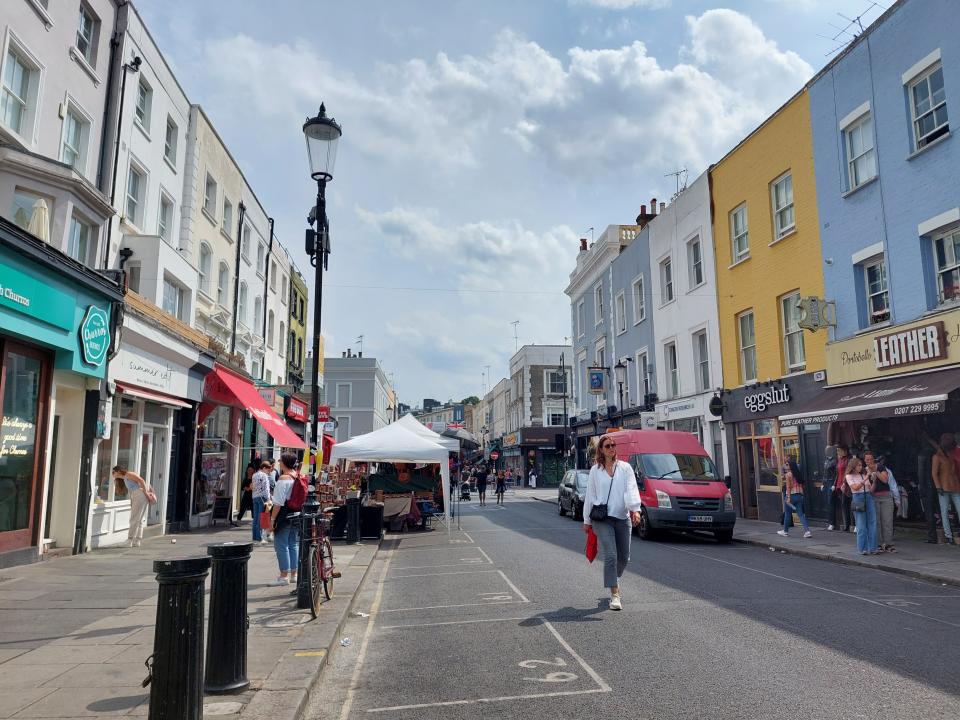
236 277
266 285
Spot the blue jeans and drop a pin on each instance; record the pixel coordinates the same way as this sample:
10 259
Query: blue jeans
796 499
866 523
945 499
258 507
286 541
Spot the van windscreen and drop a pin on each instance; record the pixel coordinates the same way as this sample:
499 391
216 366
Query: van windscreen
674 467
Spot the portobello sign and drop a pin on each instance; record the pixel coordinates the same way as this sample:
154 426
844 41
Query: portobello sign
95 336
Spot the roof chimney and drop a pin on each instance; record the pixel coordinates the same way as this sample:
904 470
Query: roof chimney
360 354
643 209
343 354
653 206
583 244
662 206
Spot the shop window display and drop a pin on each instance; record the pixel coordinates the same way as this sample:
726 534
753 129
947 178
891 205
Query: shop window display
18 433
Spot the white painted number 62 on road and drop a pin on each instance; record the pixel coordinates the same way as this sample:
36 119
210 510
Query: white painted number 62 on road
550 677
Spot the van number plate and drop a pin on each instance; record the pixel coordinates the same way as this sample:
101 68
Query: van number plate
701 518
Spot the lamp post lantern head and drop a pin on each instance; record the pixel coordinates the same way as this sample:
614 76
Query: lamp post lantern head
621 372
322 134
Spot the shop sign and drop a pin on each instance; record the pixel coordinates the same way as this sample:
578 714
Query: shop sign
268 394
545 436
297 409
323 413
596 377
95 336
143 369
25 294
758 402
920 345
682 407
510 439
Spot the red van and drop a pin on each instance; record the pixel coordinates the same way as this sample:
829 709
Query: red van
679 484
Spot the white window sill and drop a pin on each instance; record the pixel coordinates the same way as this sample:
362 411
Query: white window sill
784 236
696 287
738 262
141 128
668 302
125 221
621 332
223 232
80 60
926 147
41 12
870 328
246 258
795 372
862 185
637 322
259 274
210 217
203 295
170 164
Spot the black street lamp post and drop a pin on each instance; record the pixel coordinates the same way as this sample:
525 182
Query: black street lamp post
620 369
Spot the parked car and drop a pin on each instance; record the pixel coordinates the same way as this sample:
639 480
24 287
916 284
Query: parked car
679 484
573 488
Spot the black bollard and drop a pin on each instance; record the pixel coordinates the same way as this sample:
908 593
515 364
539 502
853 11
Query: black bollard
227 636
176 686
353 520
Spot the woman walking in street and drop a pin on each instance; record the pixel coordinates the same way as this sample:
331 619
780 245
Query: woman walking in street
139 493
482 481
882 500
840 497
793 499
261 498
611 505
501 487
864 510
285 537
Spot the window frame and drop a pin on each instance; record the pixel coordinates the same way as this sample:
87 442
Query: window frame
876 262
226 223
921 77
639 299
84 122
90 240
701 358
271 326
695 264
168 146
548 384
90 56
180 301
742 349
204 276
210 181
143 122
781 231
642 359
666 268
258 315
223 288
242 297
245 243
581 319
620 312
853 182
165 199
261 257
736 256
791 365
672 370
29 114
135 167
943 296
598 304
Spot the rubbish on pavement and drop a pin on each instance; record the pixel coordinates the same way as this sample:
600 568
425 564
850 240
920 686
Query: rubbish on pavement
361 614
173 540
346 642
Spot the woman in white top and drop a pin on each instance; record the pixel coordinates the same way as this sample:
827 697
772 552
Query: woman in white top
612 483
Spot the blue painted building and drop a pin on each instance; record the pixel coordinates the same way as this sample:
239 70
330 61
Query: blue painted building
886 164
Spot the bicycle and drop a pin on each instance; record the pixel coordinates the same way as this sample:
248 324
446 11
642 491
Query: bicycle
317 568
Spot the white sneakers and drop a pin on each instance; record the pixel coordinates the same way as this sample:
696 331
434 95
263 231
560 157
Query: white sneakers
615 603
783 533
830 528
808 534
279 582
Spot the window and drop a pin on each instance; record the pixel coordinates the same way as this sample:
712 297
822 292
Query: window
554 417
344 391
269 377
136 187
739 237
206 260
255 368
748 347
581 323
639 301
227 222
283 291
282 339
861 158
673 370
78 241
242 304
928 104
598 303
261 255
781 193
133 276
210 198
223 278
695 262
245 243
170 142
165 217
621 312
24 205
144 101
273 276
643 374
556 382
701 356
172 298
18 95
292 348
947 249
300 352
666 281
88 28
793 351
878 302
270 327
76 131
257 315
343 428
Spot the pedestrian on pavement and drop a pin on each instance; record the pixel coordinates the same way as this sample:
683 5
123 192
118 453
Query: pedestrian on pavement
261 498
883 500
501 487
946 477
840 495
482 481
611 505
138 490
246 493
793 498
533 477
863 507
285 537
274 474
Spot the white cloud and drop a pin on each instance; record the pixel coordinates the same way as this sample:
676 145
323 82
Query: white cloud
623 4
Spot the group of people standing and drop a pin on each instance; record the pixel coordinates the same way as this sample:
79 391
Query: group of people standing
481 477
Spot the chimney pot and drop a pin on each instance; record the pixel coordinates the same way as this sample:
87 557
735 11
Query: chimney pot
583 244
643 209
662 206
360 354
653 206
343 354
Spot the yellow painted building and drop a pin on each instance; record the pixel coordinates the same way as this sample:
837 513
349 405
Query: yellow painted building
767 244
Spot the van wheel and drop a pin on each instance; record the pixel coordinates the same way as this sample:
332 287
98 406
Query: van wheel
643 529
560 507
723 536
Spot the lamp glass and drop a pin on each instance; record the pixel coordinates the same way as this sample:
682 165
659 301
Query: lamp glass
323 136
621 372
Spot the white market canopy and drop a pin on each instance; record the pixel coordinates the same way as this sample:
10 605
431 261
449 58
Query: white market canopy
418 428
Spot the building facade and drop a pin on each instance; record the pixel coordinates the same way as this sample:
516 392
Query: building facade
297 330
358 393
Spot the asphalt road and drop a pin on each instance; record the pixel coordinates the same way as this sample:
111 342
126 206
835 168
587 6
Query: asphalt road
510 621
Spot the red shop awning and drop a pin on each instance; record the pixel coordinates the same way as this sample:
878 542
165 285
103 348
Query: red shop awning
225 387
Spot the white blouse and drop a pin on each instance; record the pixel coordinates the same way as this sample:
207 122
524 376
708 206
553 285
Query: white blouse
622 488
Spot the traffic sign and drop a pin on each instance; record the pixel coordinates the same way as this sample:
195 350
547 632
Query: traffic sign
323 413
494 455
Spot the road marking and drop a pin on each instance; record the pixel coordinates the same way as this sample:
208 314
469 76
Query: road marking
566 646
879 603
438 607
467 536
355 679
480 550
428 567
310 653
513 587
430 548
455 622
441 574
478 701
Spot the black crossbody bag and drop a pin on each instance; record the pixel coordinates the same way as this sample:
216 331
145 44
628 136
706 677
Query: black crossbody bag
598 513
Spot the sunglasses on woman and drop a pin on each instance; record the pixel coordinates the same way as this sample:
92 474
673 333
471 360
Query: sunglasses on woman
609 445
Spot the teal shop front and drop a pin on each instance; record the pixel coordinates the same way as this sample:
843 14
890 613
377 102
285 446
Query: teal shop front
55 336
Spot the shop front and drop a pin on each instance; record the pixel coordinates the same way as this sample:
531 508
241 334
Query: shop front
758 444
511 456
56 330
541 449
890 392
158 382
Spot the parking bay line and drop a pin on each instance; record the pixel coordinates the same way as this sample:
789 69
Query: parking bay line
441 574
440 607
479 561
602 686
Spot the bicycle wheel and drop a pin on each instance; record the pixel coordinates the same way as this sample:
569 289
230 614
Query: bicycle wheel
314 581
326 570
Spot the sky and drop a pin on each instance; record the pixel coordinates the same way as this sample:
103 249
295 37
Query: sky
481 139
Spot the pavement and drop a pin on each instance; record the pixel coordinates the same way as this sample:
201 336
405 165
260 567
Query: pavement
506 619
75 631
914 557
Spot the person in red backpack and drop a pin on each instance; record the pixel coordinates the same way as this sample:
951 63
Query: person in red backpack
288 497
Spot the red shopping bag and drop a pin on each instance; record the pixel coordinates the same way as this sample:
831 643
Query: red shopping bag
591 549
265 522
